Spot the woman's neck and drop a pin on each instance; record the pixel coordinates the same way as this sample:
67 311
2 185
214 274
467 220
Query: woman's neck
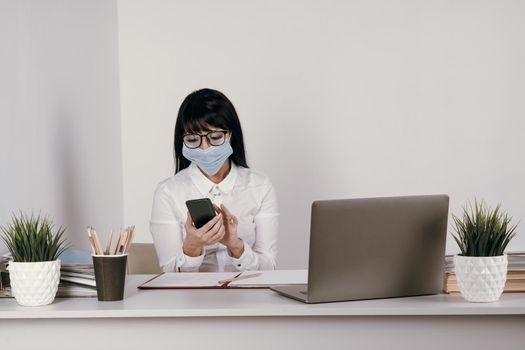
221 174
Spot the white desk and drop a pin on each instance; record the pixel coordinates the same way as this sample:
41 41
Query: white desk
220 318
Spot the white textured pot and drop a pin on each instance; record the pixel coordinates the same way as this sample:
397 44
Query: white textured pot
34 283
481 278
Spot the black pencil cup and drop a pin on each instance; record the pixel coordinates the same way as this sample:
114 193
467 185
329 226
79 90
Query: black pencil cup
110 276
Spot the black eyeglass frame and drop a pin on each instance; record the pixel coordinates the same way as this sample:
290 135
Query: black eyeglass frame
224 132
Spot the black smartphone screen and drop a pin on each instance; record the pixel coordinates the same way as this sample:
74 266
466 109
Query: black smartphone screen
201 211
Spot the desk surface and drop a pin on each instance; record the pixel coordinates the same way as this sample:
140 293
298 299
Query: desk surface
251 302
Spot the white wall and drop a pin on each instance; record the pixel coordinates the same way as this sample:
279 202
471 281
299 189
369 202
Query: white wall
337 98
59 108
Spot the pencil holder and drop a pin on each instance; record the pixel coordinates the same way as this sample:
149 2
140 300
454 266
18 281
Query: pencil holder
110 276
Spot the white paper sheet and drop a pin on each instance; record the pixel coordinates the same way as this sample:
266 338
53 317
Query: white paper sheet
274 277
211 279
189 279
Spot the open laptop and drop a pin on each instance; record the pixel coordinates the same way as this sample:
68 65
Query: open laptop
374 248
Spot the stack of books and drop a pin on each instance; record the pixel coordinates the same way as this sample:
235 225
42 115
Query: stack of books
82 277
515 274
4 274
77 274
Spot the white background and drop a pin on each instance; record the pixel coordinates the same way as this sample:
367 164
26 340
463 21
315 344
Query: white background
59 114
337 99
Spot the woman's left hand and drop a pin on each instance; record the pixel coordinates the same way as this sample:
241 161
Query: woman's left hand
231 240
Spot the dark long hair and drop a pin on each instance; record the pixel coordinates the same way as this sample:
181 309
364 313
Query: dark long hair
200 110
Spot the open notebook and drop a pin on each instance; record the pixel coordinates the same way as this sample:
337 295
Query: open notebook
251 279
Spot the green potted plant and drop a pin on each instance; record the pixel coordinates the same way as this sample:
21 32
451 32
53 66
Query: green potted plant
35 270
482 235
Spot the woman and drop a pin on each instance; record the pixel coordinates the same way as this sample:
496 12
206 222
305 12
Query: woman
210 161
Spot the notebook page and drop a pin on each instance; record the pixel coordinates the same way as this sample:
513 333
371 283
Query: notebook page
274 277
189 279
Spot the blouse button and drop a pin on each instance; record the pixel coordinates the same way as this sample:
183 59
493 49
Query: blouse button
215 192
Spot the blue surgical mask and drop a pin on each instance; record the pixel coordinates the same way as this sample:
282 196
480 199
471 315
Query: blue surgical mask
211 159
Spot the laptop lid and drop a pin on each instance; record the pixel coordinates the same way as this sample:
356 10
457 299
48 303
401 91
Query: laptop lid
377 247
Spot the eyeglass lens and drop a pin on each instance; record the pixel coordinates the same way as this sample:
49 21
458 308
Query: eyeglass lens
214 138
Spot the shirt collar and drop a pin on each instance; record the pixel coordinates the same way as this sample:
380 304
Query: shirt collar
205 185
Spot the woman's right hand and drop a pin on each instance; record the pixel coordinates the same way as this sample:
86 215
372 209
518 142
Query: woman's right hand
196 238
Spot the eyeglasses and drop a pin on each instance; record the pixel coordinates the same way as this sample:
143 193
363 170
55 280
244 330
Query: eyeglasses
214 138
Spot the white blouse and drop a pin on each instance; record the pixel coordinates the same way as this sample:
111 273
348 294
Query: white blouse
248 194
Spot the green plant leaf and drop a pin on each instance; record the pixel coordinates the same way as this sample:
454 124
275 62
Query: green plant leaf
482 231
33 239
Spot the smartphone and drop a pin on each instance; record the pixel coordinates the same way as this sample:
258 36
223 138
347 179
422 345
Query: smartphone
201 211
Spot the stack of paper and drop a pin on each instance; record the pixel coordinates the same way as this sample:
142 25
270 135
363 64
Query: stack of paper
77 275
